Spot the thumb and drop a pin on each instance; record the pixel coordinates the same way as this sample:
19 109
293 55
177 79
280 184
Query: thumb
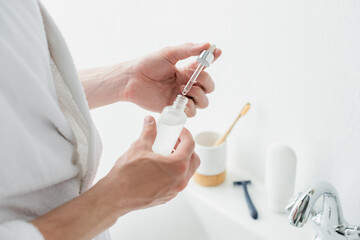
148 133
179 52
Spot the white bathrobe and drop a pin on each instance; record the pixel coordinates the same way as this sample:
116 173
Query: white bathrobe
49 146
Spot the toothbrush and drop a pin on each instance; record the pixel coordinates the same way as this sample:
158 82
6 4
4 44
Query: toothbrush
204 59
241 114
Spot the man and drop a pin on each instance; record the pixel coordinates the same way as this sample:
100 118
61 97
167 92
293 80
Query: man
49 148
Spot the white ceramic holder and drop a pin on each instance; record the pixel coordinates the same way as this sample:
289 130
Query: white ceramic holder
213 159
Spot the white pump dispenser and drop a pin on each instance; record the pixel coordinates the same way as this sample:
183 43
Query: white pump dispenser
170 125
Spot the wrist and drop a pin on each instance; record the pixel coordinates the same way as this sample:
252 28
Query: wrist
109 197
119 77
105 85
84 217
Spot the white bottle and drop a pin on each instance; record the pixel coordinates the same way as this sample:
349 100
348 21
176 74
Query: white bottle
280 176
170 125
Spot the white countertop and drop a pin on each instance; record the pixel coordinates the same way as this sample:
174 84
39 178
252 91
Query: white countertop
230 201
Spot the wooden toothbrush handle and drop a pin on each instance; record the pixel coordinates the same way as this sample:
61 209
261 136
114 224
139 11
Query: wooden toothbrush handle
242 113
223 137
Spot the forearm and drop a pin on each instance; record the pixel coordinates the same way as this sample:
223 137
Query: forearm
105 85
81 218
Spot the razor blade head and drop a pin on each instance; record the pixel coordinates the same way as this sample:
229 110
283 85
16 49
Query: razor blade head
237 183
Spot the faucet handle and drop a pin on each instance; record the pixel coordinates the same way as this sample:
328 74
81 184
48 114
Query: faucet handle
314 211
292 202
353 233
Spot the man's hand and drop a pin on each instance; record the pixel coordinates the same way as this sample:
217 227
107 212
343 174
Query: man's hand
151 82
142 178
155 80
139 179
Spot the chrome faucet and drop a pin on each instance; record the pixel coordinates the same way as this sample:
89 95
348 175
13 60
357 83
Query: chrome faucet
328 222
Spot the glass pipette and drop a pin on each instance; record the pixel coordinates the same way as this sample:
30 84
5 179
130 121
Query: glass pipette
205 59
193 78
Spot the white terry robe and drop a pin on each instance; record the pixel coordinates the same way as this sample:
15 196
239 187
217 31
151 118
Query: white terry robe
49 146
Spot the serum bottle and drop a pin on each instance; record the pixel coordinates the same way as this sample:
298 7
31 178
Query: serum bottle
170 125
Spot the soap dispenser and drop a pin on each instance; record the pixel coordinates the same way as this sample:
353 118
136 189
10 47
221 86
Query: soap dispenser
280 176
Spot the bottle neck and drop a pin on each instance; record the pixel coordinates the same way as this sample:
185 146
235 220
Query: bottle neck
180 102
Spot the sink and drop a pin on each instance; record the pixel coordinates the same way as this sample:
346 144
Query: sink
210 213
179 219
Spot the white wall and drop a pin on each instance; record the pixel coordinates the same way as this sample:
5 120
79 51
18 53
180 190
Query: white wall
297 62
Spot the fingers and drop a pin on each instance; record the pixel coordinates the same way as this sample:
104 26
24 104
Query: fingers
184 160
177 143
204 80
175 53
194 164
204 84
198 96
190 109
186 145
148 133
217 54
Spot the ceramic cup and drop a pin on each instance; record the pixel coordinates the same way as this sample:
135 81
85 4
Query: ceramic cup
213 159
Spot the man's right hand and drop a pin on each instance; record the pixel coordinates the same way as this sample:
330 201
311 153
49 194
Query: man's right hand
142 178
139 179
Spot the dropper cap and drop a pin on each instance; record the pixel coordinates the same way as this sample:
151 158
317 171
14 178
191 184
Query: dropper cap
206 57
212 48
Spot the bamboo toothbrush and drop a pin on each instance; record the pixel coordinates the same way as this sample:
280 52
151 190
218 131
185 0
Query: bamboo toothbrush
222 139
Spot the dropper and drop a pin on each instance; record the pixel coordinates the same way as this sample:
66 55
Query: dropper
204 59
